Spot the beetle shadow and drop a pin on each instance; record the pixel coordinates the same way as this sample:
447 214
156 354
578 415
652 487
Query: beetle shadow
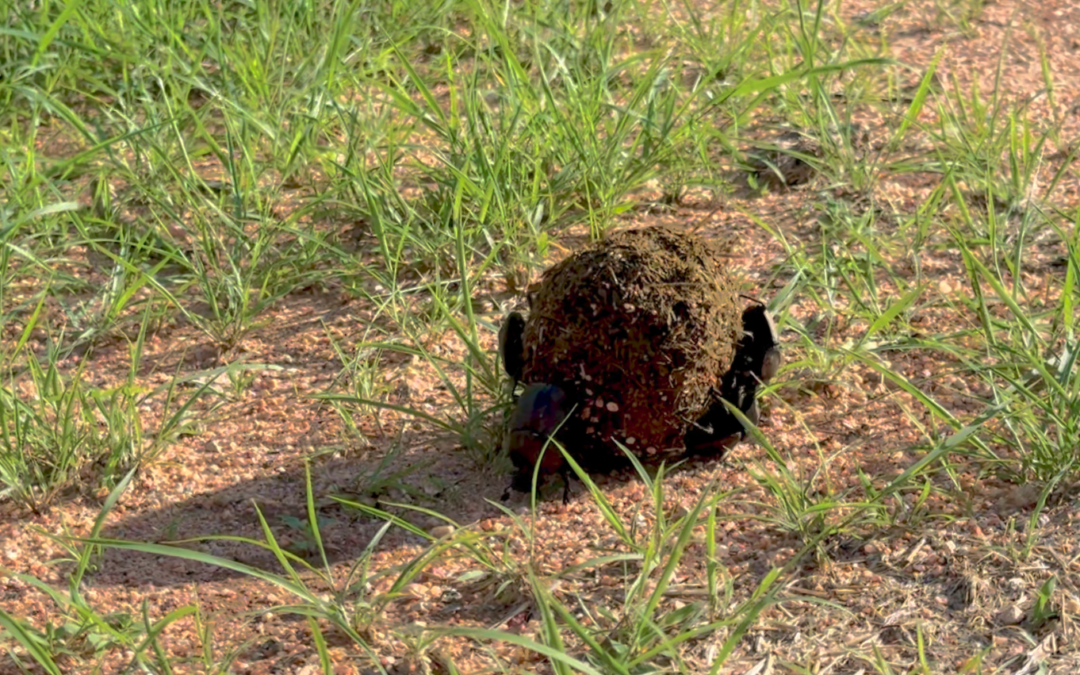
433 475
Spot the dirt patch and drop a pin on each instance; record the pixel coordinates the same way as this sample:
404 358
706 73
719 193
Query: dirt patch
638 330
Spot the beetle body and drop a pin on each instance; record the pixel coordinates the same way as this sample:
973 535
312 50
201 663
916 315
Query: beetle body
757 360
533 424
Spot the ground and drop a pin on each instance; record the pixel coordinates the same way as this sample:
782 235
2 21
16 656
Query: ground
946 576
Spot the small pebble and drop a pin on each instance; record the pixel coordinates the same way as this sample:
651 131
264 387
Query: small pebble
441 531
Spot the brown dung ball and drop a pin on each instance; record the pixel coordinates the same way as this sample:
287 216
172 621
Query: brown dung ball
638 331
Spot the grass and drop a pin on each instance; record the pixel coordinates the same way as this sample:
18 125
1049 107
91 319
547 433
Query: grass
197 163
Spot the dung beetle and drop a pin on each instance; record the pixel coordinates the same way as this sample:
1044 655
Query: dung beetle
757 360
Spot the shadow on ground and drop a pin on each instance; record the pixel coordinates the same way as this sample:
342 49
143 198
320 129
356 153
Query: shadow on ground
433 476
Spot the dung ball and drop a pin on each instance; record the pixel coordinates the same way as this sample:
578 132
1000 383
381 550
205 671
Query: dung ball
637 330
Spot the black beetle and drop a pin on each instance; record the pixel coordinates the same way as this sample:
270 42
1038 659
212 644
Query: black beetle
756 361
